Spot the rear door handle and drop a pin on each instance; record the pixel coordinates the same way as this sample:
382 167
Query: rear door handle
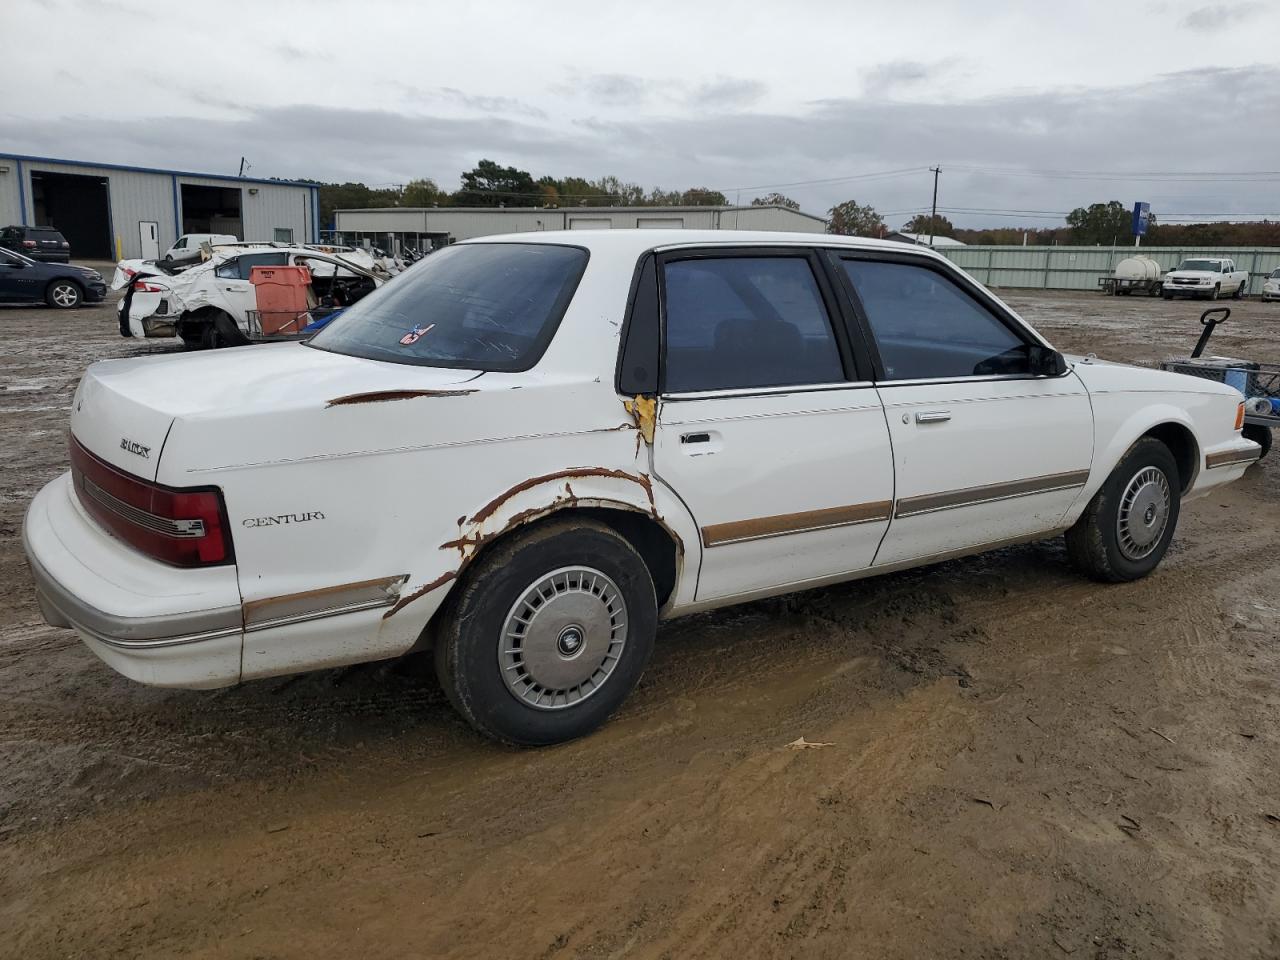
695 438
933 416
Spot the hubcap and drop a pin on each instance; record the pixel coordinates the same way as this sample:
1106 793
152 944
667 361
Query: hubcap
563 637
64 296
1144 513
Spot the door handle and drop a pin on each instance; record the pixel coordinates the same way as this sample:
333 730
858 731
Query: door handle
933 416
695 438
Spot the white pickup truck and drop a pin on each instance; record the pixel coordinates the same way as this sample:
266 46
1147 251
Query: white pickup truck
1210 277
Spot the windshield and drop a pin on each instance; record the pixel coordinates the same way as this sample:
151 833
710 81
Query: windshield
1209 265
15 256
484 306
1275 274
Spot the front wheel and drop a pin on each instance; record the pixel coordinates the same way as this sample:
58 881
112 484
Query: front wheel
1124 532
548 633
63 294
1217 290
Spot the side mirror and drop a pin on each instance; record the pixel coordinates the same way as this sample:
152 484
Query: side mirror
1044 362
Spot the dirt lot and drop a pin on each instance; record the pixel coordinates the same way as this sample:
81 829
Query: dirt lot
1011 762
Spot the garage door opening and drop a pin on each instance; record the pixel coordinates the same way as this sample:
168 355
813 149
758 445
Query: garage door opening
211 210
79 207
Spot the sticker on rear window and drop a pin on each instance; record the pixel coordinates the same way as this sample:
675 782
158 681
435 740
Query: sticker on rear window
416 334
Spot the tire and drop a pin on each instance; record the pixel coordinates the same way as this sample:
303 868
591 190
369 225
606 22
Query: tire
222 331
64 295
1144 490
524 694
1217 291
1260 435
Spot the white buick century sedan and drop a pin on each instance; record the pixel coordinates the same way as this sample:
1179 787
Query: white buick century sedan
528 450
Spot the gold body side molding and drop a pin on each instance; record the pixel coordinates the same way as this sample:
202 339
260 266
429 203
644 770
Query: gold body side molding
970 496
740 531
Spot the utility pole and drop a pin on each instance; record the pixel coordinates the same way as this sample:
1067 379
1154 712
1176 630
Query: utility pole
242 166
933 217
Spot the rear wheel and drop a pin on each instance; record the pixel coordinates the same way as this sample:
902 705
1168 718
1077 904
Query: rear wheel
63 294
548 633
1260 435
1240 291
1124 532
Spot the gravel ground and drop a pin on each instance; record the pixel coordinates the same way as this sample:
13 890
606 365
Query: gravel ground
1009 761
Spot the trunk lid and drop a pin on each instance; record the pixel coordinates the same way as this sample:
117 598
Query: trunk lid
123 409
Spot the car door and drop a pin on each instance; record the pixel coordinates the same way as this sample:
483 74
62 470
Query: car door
19 279
985 450
234 292
765 427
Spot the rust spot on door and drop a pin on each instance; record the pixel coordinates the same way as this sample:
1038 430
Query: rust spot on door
643 411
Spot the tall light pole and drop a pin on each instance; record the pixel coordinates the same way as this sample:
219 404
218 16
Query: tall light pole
934 215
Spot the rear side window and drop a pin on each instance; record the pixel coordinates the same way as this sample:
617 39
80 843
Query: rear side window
239 268
743 322
926 326
483 306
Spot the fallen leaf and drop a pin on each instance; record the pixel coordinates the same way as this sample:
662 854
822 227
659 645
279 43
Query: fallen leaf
803 744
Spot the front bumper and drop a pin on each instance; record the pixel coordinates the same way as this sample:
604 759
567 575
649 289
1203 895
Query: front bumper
95 292
153 623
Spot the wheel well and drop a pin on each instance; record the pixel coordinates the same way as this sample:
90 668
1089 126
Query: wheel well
1182 444
71 280
657 545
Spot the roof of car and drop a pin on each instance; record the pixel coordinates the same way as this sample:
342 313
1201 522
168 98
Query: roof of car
639 240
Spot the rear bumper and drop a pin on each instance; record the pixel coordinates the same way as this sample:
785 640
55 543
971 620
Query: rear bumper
152 623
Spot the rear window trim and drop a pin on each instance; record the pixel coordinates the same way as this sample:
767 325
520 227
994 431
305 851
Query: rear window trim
550 328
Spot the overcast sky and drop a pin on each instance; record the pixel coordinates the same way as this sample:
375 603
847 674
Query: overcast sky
728 95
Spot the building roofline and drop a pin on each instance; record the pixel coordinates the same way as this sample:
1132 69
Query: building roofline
168 173
618 209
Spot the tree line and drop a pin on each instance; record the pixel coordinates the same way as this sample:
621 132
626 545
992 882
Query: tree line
489 184
1099 224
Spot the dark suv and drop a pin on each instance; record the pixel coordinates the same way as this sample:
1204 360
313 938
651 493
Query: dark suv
38 243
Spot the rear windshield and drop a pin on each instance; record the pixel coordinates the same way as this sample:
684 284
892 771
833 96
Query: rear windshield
485 306
44 232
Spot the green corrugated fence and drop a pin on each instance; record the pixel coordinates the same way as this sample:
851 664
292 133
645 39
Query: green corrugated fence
1078 268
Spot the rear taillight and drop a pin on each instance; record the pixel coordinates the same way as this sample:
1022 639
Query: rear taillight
182 527
142 286
65 245
28 243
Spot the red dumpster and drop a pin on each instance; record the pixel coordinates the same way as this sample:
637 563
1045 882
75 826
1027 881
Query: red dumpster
284 297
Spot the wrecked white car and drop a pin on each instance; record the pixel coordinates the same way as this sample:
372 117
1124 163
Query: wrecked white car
214 303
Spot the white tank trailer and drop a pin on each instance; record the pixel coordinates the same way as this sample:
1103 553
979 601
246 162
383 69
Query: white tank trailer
1140 274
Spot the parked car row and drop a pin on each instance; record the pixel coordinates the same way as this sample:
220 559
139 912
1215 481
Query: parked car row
529 449
61 285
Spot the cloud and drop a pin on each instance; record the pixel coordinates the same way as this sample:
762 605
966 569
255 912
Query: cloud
986 146
607 89
895 75
726 93
486 104
1219 16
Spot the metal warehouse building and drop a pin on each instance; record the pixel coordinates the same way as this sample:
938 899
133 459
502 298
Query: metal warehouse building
437 226
107 211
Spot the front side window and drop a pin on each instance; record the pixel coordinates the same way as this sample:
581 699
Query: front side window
181 244
927 327
481 306
744 322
